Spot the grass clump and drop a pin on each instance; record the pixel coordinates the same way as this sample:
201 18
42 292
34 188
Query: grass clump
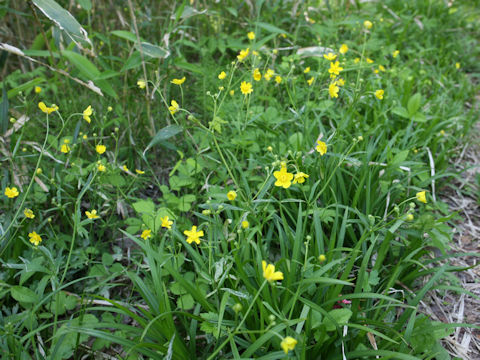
230 180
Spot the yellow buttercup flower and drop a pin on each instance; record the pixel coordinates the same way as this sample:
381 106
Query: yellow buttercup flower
269 74
269 272
65 148
35 239
141 84
421 196
125 168
343 49
357 60
92 214
278 79
284 178
222 75
307 70
28 213
87 113
367 24
321 147
101 167
457 65
11 192
245 224
322 258
178 81
139 172
340 82
310 81
288 344
333 90
232 195
300 178
251 35
167 223
257 76
395 53
381 68
379 94
38 89
174 107
193 235
46 109
243 54
146 234
232 92
335 68
246 88
100 149
330 56
370 61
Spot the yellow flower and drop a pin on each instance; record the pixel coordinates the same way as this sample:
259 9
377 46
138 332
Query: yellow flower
257 76
222 75
65 148
251 35
11 192
101 167
232 92
370 61
38 89
243 54
125 168
343 49
333 90
300 178
28 213
146 234
100 149
310 81
330 56
39 171
232 195
87 113
421 197
45 109
340 82
245 224
92 214
307 70
335 68
410 217
278 79
35 239
379 94
321 147
367 24
322 258
395 53
457 65
255 53
284 178
381 68
269 272
288 344
193 235
442 132
357 60
178 81
139 172
268 75
246 88
85 137
167 223
141 84
109 108
174 107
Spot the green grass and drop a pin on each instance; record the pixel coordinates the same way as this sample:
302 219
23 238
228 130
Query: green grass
358 251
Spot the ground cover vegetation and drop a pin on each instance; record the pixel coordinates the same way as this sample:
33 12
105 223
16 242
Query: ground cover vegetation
227 180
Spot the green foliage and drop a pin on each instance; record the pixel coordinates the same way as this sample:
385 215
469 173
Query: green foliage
118 270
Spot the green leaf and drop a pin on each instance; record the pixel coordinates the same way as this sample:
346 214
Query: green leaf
123 34
414 104
341 317
86 68
144 207
401 111
23 294
64 20
185 302
270 28
399 158
166 133
85 4
151 50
